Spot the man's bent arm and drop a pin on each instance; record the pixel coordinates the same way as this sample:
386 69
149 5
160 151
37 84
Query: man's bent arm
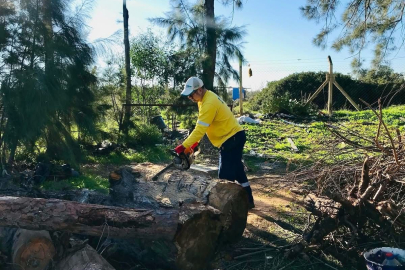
205 117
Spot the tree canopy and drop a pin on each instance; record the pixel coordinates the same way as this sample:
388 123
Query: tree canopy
45 76
363 23
188 24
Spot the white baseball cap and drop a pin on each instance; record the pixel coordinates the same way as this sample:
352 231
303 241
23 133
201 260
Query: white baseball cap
193 83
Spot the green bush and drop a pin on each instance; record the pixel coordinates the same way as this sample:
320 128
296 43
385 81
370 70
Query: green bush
285 104
300 86
188 121
143 135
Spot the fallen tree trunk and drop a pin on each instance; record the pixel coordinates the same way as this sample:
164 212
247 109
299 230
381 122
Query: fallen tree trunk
190 234
189 217
89 219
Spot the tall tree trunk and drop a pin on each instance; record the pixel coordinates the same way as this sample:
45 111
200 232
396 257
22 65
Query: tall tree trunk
34 37
211 45
48 44
127 70
13 147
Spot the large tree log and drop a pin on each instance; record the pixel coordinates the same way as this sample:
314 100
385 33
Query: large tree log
231 200
176 188
189 195
84 259
193 247
181 190
89 219
190 233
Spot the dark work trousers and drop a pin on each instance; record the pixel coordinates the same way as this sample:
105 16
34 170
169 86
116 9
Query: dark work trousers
230 162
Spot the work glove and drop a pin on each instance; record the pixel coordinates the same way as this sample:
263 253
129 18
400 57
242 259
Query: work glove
179 149
194 145
191 149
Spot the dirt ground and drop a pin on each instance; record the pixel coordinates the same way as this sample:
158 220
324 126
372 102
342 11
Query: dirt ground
277 220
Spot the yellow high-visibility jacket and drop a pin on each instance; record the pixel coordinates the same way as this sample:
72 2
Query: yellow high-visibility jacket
214 118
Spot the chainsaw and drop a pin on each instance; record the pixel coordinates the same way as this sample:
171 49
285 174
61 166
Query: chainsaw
180 161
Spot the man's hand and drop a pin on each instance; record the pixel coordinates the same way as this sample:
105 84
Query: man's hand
179 149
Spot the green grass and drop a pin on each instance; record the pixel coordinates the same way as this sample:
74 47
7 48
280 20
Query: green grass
89 181
98 183
270 138
253 163
151 154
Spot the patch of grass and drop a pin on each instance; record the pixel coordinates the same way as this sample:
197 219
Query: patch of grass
150 154
253 163
89 181
313 139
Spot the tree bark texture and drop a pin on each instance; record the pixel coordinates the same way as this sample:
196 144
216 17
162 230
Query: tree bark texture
211 45
88 219
128 96
177 188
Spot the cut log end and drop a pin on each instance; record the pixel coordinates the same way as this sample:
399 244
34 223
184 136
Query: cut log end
231 199
114 176
32 250
197 237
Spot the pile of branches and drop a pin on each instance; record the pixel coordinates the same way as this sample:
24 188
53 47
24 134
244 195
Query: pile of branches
356 206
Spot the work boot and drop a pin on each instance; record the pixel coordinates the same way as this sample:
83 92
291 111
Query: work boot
251 203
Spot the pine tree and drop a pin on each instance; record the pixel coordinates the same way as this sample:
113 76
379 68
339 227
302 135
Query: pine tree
46 83
363 23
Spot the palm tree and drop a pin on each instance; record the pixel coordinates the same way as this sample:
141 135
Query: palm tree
128 98
215 42
211 35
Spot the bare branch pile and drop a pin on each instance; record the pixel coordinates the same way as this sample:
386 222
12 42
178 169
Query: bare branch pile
356 206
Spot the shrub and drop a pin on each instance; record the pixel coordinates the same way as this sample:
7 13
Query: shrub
188 121
302 85
285 104
143 135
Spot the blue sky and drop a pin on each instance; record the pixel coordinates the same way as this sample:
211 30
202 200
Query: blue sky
278 40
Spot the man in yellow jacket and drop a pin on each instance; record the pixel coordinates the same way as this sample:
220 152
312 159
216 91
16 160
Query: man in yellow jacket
217 121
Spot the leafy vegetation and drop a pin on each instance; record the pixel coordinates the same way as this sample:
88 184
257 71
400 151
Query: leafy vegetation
312 138
88 181
46 83
374 22
300 86
150 154
213 42
57 107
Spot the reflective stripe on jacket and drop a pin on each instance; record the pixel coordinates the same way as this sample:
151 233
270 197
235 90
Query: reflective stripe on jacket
214 118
